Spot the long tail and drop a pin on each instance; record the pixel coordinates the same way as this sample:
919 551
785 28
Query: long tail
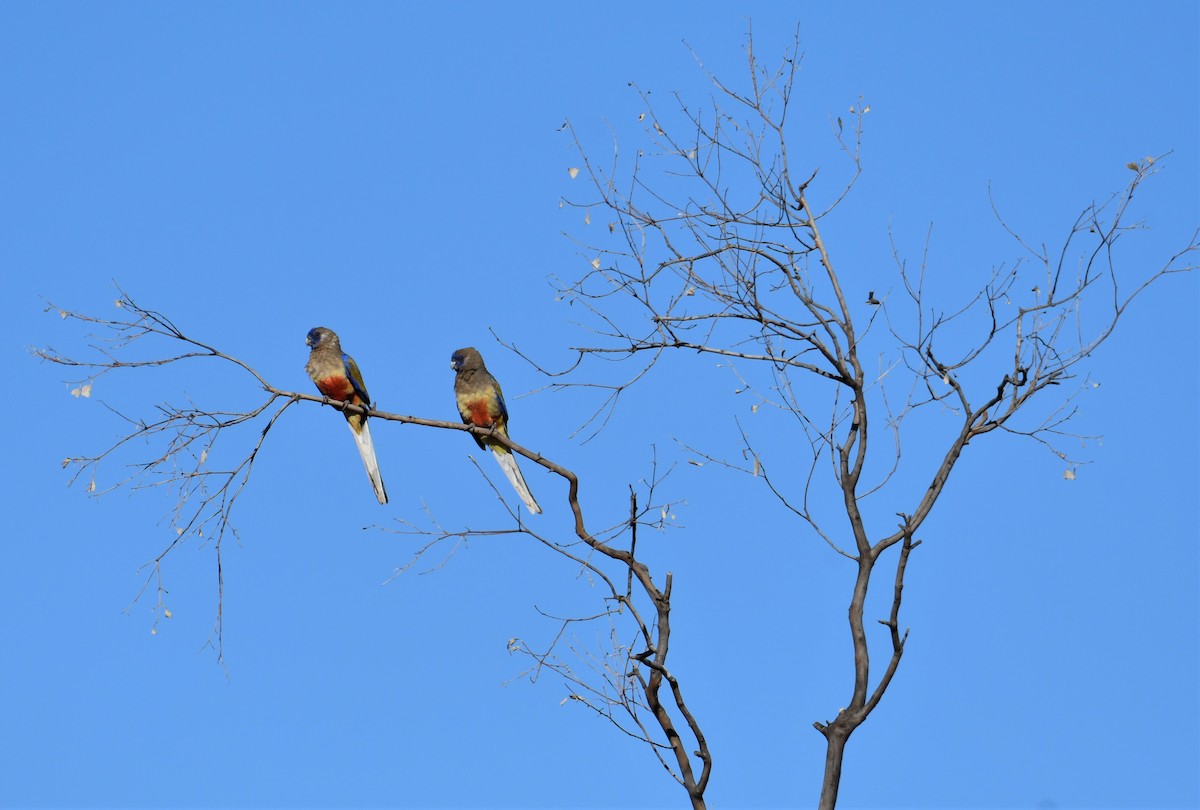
508 463
366 449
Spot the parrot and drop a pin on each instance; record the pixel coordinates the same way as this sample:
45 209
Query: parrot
336 375
481 403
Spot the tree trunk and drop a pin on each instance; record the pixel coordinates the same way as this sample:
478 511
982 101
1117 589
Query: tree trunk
836 739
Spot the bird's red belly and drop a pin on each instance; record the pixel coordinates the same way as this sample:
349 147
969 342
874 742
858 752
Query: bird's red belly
481 413
336 388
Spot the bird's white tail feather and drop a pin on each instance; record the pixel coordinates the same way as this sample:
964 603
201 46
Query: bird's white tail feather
366 449
508 463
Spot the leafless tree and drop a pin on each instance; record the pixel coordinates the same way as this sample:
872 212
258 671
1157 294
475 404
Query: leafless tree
713 245
631 684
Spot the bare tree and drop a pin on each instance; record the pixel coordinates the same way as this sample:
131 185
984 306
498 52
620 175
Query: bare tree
631 684
714 245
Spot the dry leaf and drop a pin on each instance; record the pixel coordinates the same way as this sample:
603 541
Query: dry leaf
1069 475
82 391
596 262
587 218
574 172
166 613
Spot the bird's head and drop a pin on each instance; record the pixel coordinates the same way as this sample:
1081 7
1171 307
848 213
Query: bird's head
465 358
317 336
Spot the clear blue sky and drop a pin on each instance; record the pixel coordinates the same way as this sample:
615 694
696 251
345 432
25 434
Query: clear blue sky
393 171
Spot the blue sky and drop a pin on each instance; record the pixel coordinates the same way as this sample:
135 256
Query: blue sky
394 173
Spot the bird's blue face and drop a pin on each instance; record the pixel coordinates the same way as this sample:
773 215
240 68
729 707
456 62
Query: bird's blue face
456 361
314 338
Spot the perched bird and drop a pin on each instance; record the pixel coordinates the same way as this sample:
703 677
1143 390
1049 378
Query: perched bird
337 377
481 403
